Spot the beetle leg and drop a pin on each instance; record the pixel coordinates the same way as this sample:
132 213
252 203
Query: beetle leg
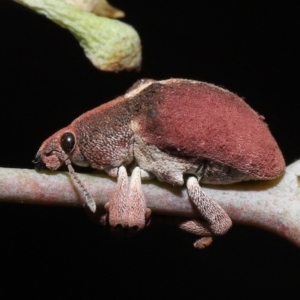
198 228
145 175
117 206
139 214
127 207
218 220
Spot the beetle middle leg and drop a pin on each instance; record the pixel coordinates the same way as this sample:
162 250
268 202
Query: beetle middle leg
217 219
126 208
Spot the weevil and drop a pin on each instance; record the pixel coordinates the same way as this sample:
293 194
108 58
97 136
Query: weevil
180 131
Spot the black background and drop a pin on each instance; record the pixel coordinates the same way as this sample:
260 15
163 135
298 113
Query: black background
249 47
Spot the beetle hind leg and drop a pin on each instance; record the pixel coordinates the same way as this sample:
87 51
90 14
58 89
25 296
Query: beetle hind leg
217 219
198 228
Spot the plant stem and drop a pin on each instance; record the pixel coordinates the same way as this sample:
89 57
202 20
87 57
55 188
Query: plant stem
272 205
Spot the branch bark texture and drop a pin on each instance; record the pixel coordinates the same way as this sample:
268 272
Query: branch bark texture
272 205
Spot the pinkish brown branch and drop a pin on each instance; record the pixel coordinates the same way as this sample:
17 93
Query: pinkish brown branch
272 205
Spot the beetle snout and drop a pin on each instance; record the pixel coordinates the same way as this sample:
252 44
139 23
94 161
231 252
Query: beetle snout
39 163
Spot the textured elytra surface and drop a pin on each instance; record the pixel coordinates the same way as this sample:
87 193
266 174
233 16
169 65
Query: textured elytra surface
196 120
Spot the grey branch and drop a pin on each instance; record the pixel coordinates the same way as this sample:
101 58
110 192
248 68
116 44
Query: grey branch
272 205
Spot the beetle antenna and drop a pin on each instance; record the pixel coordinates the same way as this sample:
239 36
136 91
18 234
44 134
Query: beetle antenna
88 198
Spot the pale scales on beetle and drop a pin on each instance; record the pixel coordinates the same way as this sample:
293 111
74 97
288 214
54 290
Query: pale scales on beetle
179 131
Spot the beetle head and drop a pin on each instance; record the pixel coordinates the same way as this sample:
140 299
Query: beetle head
58 149
55 150
61 148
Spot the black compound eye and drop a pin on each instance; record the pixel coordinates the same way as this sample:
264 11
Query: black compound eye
67 142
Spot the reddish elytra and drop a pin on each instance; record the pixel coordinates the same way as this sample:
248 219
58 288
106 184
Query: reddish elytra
179 131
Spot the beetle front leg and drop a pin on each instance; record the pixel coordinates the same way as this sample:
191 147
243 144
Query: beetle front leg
218 220
117 206
139 214
127 206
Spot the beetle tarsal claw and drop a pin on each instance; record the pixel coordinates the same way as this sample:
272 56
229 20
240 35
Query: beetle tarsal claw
90 202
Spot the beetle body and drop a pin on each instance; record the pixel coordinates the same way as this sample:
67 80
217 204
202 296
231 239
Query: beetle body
176 130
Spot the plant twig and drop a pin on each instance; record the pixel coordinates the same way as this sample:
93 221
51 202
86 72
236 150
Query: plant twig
272 205
98 7
109 44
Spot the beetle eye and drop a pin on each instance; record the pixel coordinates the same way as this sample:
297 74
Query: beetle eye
67 142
